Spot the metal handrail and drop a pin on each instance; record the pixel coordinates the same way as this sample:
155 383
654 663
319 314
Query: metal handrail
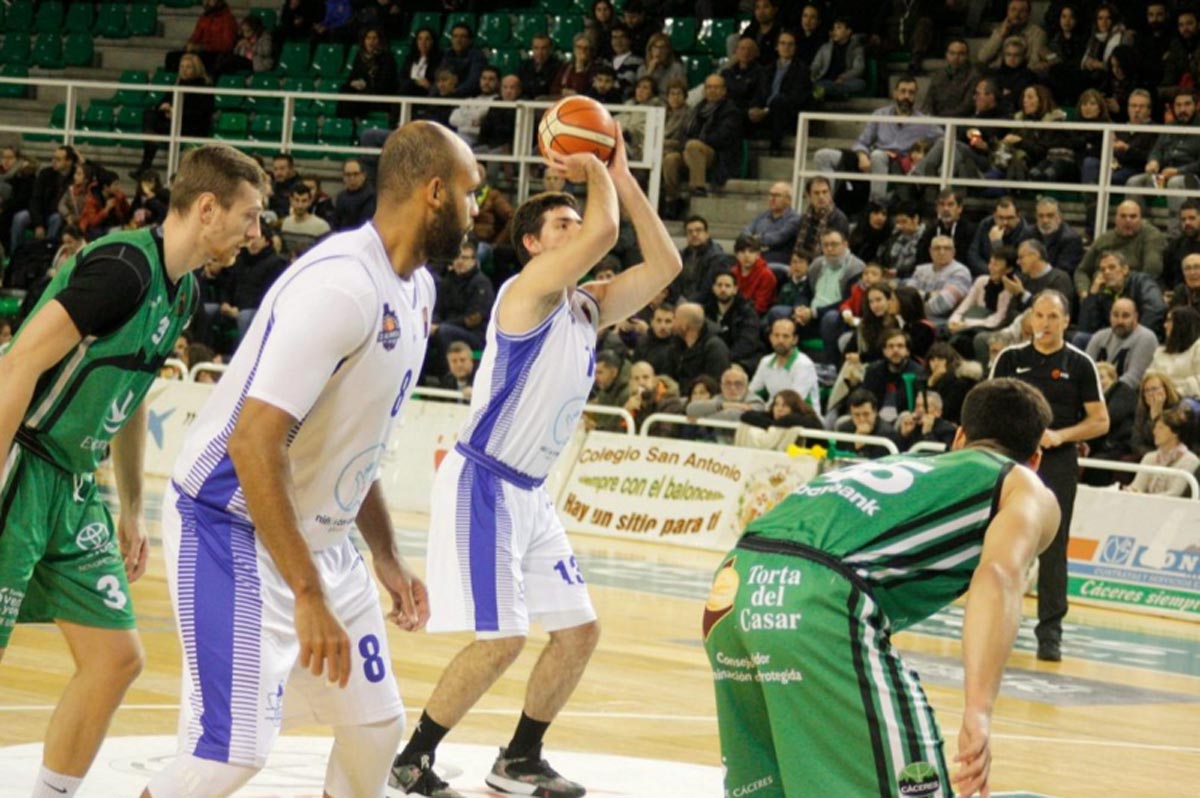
437 393
625 415
802 432
523 155
1102 189
676 418
604 410
180 368
927 446
1139 468
212 368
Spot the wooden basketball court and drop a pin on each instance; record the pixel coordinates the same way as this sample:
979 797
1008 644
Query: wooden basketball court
1120 716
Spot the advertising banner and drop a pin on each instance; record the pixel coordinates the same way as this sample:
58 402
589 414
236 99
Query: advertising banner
1135 552
171 406
656 489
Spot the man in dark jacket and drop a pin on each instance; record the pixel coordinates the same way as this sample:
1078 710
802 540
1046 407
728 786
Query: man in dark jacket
48 188
1182 245
464 59
1114 280
248 280
464 304
952 87
356 203
702 258
1064 245
744 76
893 379
1175 159
737 323
538 71
949 222
786 90
713 139
865 420
657 346
698 346
1005 228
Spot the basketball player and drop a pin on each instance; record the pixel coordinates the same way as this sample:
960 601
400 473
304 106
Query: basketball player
811 697
498 554
278 616
73 384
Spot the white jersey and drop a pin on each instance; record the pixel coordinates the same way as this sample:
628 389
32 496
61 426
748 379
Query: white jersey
337 342
531 388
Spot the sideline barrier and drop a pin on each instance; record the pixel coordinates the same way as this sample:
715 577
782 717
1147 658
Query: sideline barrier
825 435
699 495
1127 551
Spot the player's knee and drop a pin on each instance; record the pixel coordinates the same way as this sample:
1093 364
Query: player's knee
120 662
361 756
188 776
582 638
504 650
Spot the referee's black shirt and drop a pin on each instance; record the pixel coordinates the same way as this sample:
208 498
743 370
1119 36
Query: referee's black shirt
1067 378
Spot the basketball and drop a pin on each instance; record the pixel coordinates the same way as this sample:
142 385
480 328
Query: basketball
577 124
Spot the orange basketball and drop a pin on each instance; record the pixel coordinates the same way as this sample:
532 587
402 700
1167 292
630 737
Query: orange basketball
577 124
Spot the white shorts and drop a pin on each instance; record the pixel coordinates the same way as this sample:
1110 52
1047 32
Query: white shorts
235 618
498 556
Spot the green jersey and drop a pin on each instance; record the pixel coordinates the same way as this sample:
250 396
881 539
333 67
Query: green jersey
85 400
911 526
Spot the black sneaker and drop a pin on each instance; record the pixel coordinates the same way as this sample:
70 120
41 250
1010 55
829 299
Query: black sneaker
1049 651
418 778
531 775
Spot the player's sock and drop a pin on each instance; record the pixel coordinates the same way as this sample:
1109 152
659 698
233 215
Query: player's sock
425 740
55 785
527 737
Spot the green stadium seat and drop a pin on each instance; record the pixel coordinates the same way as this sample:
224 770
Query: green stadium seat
143 19
130 97
712 36
49 18
337 132
78 50
112 21
267 128
682 32
507 60
98 116
3 15
271 105
48 51
566 6
294 60
306 107
231 125
16 49
129 120
13 91
180 3
269 17
526 25
698 68
161 77
231 97
20 17
495 30
58 121
80 18
328 61
563 30
400 51
304 130
426 19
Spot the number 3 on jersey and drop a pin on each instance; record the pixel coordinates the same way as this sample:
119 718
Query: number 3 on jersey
114 596
569 571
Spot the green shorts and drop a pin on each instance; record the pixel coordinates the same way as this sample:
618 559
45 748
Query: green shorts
811 698
59 558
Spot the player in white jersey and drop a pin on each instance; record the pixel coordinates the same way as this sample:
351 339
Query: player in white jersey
278 616
498 553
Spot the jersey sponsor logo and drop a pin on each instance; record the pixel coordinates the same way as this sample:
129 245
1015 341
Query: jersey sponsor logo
744 790
90 444
919 779
118 413
888 479
93 537
766 604
721 596
389 329
356 478
273 705
564 422
425 320
1059 374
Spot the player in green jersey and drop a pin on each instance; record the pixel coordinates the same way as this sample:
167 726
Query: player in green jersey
811 697
74 380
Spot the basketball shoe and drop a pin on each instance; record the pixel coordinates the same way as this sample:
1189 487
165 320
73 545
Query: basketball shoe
531 775
418 778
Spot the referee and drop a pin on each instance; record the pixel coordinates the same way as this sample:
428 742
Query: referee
1068 379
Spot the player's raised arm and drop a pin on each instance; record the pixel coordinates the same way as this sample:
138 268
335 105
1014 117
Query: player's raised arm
537 290
1023 527
633 288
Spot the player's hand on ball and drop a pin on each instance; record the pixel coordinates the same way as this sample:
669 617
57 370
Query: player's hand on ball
618 164
974 759
410 600
574 167
324 644
134 545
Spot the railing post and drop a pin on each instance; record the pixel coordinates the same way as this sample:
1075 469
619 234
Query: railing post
173 146
798 179
69 120
656 123
524 132
949 153
1103 182
289 121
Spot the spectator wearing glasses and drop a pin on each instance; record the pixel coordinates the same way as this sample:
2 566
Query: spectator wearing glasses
576 76
1015 25
355 204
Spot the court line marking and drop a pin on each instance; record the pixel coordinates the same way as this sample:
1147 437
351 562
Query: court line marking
1180 749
